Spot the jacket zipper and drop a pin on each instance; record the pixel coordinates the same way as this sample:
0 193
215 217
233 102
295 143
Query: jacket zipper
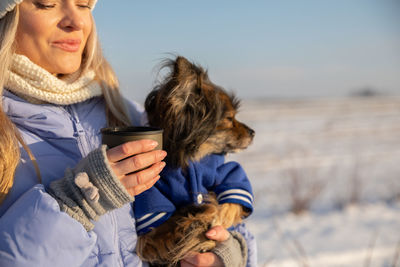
79 131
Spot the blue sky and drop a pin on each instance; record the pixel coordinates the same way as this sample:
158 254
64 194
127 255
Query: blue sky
282 48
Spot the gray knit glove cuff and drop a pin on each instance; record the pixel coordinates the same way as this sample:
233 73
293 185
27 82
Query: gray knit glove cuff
90 190
232 252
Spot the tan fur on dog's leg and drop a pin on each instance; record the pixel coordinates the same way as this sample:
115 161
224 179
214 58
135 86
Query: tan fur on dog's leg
180 235
230 214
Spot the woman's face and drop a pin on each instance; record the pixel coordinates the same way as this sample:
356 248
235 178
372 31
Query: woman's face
53 33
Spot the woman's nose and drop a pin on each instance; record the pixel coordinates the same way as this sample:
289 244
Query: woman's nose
72 20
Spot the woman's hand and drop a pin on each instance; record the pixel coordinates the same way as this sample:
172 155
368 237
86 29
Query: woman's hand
208 259
136 155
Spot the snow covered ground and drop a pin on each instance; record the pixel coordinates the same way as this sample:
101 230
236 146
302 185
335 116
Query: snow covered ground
326 179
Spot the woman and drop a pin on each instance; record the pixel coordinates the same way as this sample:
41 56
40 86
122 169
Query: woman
65 199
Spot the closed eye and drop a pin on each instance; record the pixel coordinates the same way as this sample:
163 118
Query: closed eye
84 6
49 6
44 6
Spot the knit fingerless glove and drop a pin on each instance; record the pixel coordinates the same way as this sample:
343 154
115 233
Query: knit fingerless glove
232 252
90 189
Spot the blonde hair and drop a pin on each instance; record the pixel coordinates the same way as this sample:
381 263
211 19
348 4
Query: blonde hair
10 138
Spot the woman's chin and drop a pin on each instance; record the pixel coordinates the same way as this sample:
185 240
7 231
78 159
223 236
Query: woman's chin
64 69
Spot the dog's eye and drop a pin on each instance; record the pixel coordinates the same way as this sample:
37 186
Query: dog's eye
229 118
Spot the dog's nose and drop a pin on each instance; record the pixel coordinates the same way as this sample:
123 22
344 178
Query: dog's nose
252 132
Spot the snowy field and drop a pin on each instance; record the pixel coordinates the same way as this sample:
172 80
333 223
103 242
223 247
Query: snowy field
326 179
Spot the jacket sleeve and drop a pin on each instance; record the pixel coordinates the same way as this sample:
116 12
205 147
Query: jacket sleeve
233 186
34 232
151 209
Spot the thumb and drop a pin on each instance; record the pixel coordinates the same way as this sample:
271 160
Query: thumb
218 233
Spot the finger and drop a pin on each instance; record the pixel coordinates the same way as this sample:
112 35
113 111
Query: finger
218 233
202 259
143 187
130 148
138 162
134 191
142 177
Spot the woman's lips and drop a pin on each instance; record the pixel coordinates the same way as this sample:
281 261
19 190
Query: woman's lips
68 45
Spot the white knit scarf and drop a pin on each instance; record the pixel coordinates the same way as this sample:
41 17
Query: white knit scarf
37 85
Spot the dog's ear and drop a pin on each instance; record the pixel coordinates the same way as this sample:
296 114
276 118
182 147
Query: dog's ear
182 68
186 72
187 79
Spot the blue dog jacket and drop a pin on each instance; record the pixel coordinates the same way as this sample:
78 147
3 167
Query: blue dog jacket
178 188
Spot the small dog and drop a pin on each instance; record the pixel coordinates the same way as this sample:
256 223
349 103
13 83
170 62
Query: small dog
198 118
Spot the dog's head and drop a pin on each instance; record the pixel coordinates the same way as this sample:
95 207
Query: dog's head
198 117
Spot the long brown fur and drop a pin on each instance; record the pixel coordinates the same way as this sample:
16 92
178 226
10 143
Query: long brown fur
198 118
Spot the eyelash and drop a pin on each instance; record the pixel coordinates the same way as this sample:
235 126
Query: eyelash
43 6
84 6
